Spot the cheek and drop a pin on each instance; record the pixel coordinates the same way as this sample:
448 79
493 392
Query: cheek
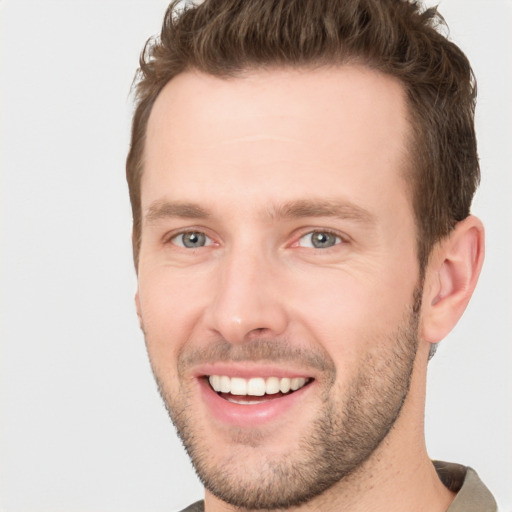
349 313
170 308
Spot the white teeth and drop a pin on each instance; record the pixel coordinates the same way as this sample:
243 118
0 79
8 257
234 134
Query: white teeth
238 386
215 381
297 383
257 386
284 385
224 384
272 386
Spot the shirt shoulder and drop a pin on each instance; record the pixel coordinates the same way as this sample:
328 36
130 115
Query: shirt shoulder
472 494
198 506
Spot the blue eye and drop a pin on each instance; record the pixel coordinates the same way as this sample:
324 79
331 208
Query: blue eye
319 240
191 240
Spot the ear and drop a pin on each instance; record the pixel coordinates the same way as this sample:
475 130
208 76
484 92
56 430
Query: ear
451 277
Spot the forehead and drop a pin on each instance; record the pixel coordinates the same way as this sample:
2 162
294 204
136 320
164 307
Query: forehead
295 131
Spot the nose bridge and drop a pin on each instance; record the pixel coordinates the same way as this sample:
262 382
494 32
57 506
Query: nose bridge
246 299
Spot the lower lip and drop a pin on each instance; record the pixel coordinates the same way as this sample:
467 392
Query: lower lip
241 415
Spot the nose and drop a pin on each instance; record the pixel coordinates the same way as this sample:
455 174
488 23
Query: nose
248 302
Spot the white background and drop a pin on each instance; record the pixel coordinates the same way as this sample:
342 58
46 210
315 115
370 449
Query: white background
82 427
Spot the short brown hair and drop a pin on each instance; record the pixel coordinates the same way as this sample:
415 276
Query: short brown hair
396 37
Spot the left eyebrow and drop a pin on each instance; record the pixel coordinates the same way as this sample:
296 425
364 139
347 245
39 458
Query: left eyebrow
169 209
321 208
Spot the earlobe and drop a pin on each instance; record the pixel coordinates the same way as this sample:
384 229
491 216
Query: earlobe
451 278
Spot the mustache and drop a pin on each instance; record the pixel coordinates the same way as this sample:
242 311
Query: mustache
258 350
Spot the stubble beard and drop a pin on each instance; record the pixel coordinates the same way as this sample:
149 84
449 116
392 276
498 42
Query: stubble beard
345 434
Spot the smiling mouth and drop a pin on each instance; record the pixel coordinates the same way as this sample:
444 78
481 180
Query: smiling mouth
255 390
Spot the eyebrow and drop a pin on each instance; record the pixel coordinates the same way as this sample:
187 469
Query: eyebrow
166 209
321 208
296 209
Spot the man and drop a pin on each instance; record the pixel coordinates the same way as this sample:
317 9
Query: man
301 175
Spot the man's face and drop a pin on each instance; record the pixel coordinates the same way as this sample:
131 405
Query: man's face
278 250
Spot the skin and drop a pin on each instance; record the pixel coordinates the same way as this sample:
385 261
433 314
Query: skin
242 154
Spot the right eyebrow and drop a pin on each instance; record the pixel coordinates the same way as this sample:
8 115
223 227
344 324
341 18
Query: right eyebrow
168 209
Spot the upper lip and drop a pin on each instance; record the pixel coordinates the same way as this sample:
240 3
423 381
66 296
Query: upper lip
249 370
